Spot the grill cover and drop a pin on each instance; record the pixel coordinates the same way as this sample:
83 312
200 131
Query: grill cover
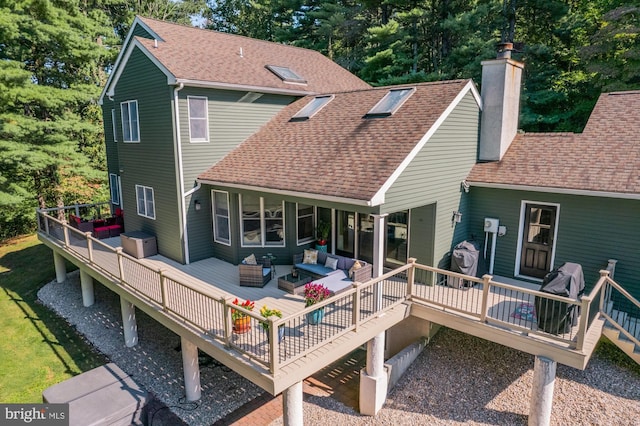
557 317
464 260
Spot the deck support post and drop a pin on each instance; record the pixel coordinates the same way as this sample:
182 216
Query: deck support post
373 378
61 268
544 376
129 325
191 370
86 283
292 405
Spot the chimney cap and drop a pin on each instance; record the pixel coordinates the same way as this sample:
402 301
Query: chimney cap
504 50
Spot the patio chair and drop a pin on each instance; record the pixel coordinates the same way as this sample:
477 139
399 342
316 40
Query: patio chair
255 275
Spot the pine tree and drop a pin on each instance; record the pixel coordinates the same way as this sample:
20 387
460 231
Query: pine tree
53 59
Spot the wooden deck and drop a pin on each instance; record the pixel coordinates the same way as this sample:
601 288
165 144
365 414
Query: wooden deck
194 301
221 279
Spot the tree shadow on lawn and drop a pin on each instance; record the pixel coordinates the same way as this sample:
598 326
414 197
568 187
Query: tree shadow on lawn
24 272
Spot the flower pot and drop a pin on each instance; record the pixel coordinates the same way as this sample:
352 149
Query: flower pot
242 325
322 248
316 316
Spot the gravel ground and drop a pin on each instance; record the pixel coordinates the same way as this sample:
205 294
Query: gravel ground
154 363
458 379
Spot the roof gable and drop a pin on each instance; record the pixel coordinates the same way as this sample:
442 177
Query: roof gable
604 159
339 154
199 57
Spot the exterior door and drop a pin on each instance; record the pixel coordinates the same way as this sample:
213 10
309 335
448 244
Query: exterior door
537 239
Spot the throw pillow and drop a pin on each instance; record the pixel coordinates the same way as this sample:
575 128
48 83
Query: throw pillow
250 260
355 267
310 256
331 262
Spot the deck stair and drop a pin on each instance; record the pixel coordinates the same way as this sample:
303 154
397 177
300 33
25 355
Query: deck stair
627 342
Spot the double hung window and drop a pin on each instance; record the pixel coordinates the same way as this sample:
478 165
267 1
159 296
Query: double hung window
221 229
146 202
130 127
198 119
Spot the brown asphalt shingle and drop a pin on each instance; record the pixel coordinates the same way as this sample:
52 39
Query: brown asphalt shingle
210 56
337 152
604 158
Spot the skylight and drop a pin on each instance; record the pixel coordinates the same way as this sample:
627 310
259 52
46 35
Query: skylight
391 102
310 109
286 74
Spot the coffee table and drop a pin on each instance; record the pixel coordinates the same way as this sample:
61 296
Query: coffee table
294 285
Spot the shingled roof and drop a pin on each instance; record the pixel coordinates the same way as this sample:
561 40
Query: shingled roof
196 56
338 153
604 158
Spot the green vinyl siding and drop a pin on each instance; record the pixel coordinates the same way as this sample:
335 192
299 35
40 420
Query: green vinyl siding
434 177
111 147
139 31
151 162
590 231
230 123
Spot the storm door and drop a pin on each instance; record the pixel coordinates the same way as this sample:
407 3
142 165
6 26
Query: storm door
538 239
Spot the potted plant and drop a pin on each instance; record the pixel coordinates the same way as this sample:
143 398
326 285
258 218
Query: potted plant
322 234
241 321
267 313
315 293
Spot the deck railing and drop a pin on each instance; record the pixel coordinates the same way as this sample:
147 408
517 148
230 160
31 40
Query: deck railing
282 341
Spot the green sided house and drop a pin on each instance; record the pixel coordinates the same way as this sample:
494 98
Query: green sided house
223 147
565 197
177 101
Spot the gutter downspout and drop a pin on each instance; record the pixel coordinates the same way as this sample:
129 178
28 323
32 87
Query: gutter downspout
181 193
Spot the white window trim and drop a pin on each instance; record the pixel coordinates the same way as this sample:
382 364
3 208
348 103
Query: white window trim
523 205
263 234
114 186
144 192
124 133
206 117
213 213
113 124
315 224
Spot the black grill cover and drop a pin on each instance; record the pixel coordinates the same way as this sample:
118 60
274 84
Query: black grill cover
554 316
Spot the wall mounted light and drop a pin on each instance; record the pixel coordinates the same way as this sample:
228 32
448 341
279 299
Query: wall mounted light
457 217
197 205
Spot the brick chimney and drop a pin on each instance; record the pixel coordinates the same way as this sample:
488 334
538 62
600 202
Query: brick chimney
500 92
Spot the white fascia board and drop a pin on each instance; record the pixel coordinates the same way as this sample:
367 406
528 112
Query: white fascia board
379 197
171 80
565 191
309 195
125 45
243 87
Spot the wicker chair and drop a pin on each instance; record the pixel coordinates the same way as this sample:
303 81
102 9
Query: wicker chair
255 275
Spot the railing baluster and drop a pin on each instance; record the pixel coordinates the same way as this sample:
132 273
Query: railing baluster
411 276
163 288
120 265
357 303
485 297
89 246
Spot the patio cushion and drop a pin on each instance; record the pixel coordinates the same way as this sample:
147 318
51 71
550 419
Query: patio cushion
250 260
314 268
331 262
310 257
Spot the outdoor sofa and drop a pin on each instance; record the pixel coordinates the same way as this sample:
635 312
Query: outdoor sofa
331 270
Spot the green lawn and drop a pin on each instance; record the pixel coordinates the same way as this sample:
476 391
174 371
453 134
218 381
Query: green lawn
37 349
